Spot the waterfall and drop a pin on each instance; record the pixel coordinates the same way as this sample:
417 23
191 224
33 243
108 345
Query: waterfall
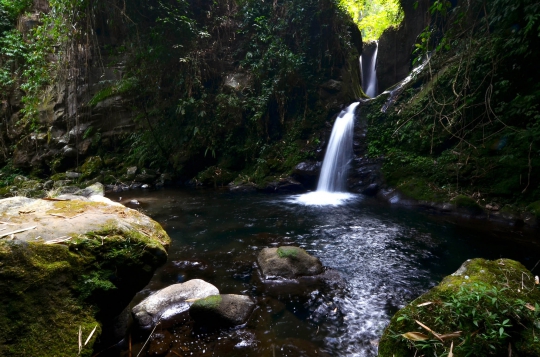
339 153
368 69
331 189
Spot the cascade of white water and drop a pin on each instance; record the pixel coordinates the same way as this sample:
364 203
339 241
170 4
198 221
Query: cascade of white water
339 153
368 68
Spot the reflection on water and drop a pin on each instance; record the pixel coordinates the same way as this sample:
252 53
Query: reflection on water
387 257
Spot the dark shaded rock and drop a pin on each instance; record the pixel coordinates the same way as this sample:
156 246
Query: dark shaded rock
222 310
287 262
285 185
307 173
396 44
69 152
171 301
371 190
145 178
242 187
332 86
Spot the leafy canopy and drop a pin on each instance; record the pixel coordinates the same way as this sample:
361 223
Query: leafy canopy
374 16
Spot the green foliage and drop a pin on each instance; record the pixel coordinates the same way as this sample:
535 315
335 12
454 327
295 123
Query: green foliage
469 123
373 17
488 311
478 311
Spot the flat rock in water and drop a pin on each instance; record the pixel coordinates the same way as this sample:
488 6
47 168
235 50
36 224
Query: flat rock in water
288 262
222 310
171 301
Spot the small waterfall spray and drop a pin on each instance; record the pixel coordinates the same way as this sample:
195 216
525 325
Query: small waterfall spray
368 68
331 189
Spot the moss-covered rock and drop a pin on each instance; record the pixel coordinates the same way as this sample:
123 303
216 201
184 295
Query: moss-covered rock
493 304
534 208
91 167
467 204
61 276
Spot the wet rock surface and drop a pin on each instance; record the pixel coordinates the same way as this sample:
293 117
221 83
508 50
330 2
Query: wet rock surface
171 301
287 262
222 310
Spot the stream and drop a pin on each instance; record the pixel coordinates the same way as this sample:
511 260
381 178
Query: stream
386 255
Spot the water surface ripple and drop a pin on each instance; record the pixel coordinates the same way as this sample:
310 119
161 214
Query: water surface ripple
387 256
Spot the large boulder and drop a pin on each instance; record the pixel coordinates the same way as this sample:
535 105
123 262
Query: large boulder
75 264
171 301
484 308
287 262
222 310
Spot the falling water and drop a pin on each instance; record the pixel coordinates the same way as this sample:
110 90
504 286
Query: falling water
368 62
331 189
339 153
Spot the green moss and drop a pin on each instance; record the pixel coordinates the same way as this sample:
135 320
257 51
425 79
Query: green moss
290 252
59 177
534 208
40 315
420 189
467 203
91 167
210 302
479 299
48 291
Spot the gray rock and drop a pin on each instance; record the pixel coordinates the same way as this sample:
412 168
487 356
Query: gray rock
222 310
48 184
19 180
73 175
68 190
68 151
287 262
61 183
171 301
332 86
145 178
96 189
131 172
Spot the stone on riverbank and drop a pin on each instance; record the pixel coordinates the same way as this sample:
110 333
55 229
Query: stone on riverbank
171 301
492 303
222 310
80 258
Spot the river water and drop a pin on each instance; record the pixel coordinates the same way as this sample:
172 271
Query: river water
386 255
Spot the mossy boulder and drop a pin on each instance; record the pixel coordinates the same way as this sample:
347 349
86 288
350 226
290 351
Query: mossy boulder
484 308
288 262
91 167
467 204
222 310
534 208
76 266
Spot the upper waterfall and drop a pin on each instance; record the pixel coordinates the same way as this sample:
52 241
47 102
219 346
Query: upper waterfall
368 69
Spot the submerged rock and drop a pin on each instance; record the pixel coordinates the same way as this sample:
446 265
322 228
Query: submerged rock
287 262
222 310
171 301
485 307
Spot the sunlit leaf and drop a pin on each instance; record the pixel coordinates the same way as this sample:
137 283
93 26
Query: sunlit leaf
415 336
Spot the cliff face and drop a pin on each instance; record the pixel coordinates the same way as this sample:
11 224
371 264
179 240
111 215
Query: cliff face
182 86
396 45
